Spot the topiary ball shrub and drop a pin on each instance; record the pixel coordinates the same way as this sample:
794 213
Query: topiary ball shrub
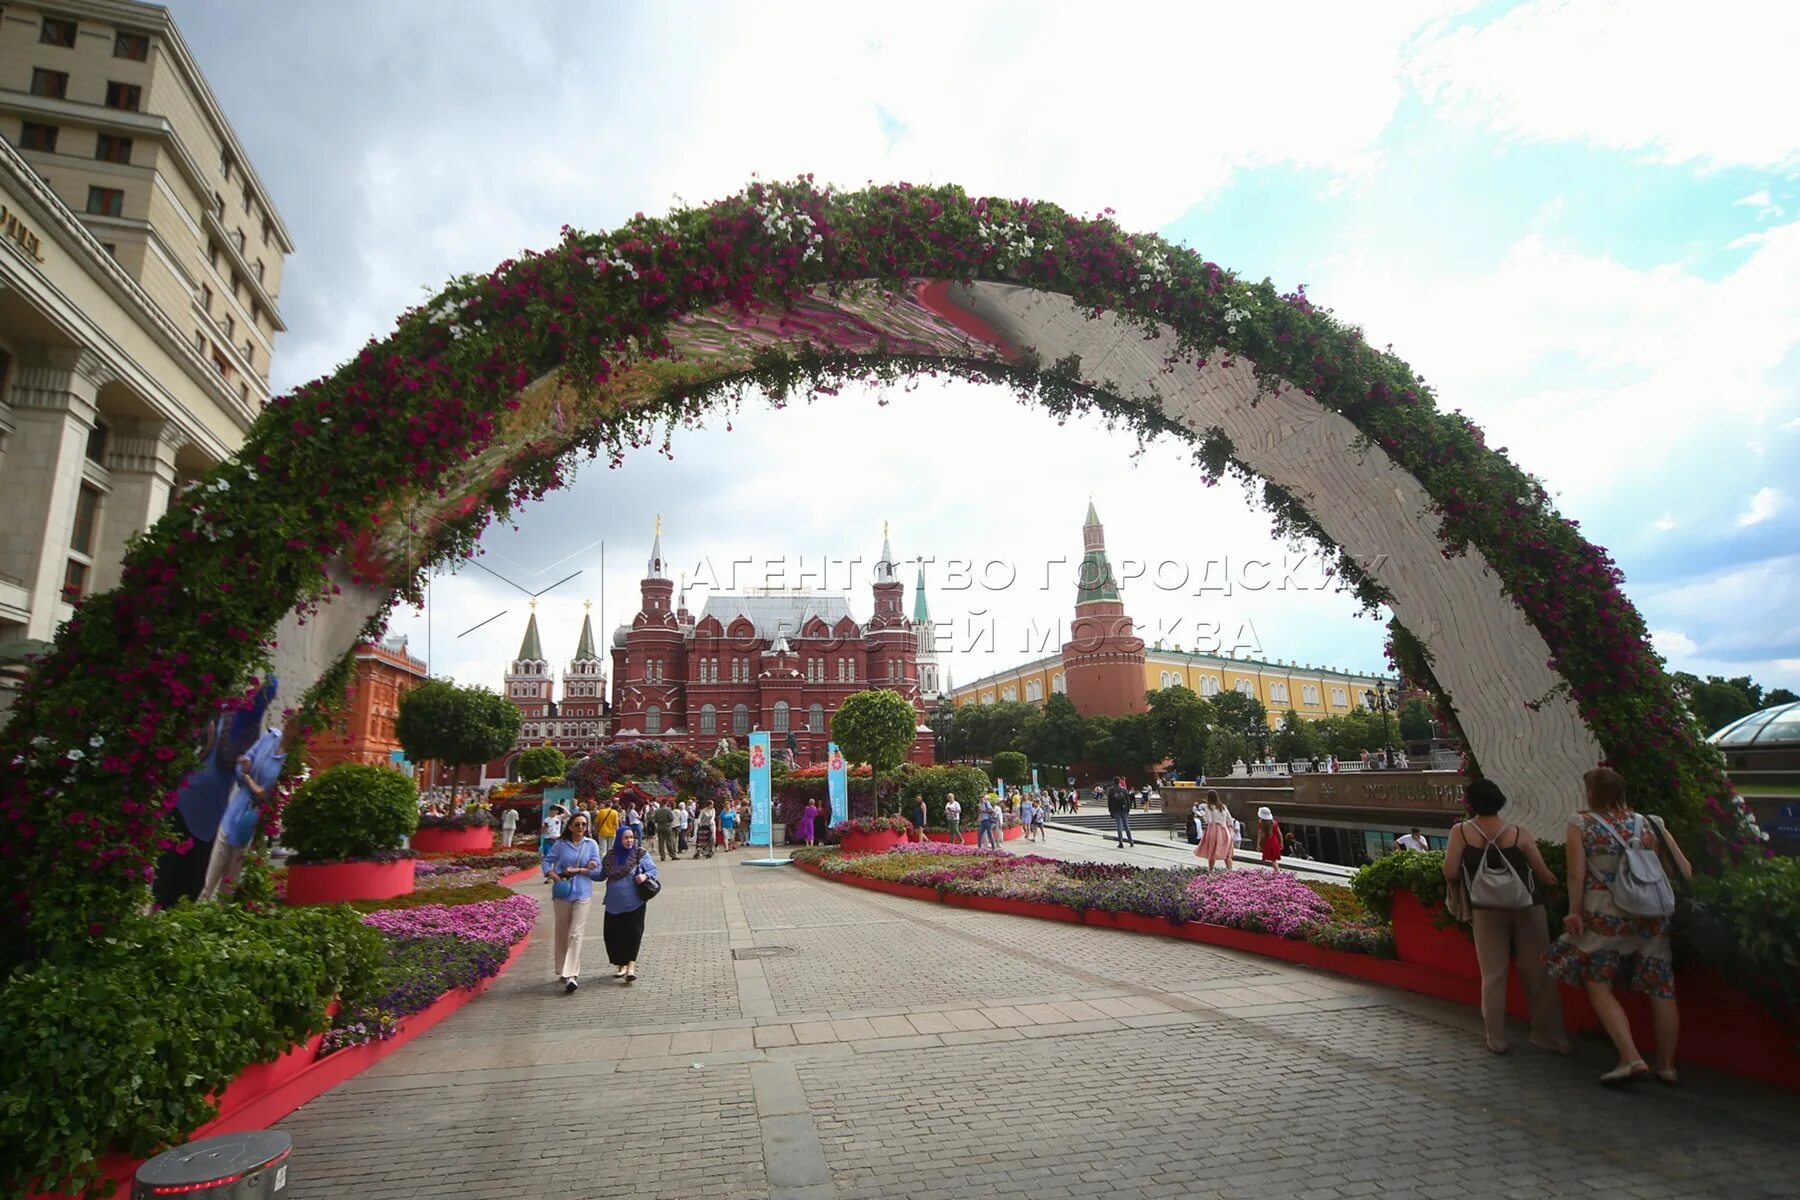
351 811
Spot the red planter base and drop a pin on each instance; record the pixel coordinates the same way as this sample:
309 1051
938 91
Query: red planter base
966 837
477 839
871 843
333 883
521 875
1012 833
1420 942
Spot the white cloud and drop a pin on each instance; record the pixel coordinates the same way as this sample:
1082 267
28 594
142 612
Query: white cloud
1637 76
1763 505
1757 199
1663 523
1586 369
1672 642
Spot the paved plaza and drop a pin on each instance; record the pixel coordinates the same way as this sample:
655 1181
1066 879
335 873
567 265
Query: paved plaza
794 1038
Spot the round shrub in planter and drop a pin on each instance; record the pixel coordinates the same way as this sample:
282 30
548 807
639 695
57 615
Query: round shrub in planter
344 826
468 832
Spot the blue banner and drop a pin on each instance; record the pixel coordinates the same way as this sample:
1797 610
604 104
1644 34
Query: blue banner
1034 781
1002 784
760 829
838 780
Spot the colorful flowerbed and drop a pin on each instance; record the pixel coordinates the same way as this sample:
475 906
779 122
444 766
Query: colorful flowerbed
430 950
467 870
1254 900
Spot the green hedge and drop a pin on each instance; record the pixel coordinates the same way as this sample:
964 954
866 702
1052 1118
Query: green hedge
116 1045
351 811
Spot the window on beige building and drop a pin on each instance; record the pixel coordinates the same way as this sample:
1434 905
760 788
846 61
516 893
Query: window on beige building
1310 693
135 46
106 202
1339 699
33 136
124 96
1278 692
57 31
54 84
110 148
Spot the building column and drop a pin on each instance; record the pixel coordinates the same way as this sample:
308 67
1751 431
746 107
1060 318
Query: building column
141 462
55 404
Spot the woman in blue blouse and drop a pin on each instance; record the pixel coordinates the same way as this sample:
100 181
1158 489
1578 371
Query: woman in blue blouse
571 864
626 865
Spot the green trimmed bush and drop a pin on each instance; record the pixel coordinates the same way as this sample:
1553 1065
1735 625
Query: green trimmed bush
351 811
116 1044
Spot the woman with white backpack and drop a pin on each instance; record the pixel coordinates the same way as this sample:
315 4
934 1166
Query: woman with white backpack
1617 934
1499 866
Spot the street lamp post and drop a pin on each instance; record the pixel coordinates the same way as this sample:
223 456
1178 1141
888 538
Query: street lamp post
1383 701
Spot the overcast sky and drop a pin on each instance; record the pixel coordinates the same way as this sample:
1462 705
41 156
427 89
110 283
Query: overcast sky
1580 222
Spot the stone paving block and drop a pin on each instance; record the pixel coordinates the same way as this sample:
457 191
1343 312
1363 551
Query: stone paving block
812 1032
892 1026
774 1035
931 1023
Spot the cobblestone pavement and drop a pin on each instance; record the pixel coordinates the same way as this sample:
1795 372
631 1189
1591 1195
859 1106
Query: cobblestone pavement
867 1046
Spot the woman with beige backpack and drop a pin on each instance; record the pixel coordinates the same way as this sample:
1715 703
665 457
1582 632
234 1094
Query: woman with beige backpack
1499 869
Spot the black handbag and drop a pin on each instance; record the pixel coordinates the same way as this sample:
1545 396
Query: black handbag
1696 933
649 885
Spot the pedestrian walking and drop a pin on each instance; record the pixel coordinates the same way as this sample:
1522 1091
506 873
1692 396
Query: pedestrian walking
1268 836
664 820
681 828
570 864
1037 820
987 815
1216 838
1118 803
704 826
1500 868
509 826
728 819
1416 840
629 873
1617 930
953 817
919 817
1028 817
809 819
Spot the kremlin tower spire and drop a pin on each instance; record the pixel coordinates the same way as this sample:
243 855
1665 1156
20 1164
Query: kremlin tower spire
925 636
528 680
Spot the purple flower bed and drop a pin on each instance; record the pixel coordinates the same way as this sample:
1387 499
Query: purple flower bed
425 870
1257 901
432 949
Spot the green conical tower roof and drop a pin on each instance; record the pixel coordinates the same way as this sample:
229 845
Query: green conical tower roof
1096 582
585 650
530 648
921 614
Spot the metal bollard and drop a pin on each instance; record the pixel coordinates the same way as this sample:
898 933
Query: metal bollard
231 1165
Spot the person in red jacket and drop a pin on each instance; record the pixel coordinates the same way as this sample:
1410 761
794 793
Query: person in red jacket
1268 833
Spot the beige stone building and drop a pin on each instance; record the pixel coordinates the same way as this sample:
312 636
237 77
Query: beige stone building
140 272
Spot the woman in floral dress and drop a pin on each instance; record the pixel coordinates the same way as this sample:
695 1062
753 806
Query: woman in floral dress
1604 948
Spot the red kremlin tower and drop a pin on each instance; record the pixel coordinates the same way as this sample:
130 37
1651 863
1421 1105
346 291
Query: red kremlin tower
1103 661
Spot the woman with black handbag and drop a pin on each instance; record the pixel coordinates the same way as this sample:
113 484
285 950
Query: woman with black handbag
631 881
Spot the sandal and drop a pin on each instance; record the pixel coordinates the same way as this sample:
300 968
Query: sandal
1635 1071
1668 1078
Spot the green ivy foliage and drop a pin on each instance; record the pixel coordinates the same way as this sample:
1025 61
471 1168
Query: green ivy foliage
1759 903
350 811
119 1046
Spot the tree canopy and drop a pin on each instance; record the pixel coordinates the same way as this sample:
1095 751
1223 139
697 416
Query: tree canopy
1178 723
876 727
458 726
542 762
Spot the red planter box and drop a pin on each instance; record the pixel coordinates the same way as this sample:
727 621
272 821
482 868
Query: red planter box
871 843
435 839
1013 833
333 883
1420 942
966 837
521 875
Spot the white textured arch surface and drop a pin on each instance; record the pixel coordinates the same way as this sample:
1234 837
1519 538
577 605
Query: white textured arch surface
1484 652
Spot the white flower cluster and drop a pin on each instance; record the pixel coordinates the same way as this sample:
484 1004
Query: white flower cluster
1010 238
1153 267
450 313
790 226
616 262
1233 315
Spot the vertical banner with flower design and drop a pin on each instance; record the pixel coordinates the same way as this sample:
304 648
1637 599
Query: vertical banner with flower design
838 781
760 829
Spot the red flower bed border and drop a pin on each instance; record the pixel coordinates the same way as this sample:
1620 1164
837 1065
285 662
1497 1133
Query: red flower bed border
263 1093
1722 1028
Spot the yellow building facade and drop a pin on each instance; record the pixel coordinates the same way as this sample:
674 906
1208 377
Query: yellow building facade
1313 692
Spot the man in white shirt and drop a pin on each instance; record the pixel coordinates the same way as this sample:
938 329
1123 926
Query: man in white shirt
1412 841
682 818
953 816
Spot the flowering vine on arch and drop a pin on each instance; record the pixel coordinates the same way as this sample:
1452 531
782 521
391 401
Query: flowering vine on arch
603 343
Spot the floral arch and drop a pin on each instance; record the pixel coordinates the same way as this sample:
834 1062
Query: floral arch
346 489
